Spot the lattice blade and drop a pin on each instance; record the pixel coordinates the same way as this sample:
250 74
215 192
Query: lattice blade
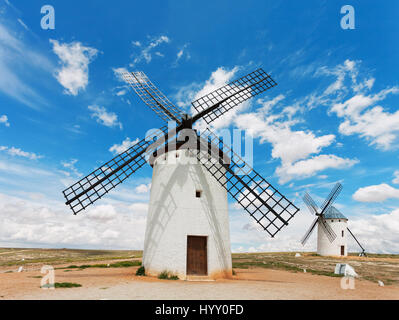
327 229
357 241
99 182
152 97
331 198
270 209
309 232
218 102
312 206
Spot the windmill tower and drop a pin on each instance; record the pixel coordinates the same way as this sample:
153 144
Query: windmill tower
187 230
332 226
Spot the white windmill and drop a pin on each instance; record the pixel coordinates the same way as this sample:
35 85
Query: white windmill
332 226
187 230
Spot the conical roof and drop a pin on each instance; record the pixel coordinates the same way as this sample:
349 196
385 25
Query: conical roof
333 213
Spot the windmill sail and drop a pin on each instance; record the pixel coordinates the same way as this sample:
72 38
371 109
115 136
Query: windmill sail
314 209
99 182
357 241
310 231
331 198
218 102
268 207
152 97
312 206
331 235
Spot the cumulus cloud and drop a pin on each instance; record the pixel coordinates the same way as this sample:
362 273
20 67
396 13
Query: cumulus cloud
49 223
4 120
126 144
295 148
75 59
276 127
377 233
20 153
309 167
376 193
351 99
108 119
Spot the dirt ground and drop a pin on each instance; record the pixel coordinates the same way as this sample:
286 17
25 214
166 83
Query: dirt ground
253 283
257 276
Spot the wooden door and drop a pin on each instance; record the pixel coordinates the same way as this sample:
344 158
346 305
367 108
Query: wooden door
197 262
342 250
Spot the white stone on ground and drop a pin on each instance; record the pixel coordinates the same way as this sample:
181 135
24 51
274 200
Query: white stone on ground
345 269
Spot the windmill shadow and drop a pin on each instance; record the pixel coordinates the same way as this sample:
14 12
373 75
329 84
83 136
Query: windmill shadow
208 205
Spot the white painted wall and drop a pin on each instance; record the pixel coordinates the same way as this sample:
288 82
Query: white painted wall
327 248
175 212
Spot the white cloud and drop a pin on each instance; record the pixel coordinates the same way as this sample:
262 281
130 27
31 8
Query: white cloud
119 72
357 108
126 144
293 147
186 94
75 59
4 120
182 53
20 153
49 223
143 188
146 52
376 193
108 119
396 177
102 213
70 165
309 167
274 127
377 233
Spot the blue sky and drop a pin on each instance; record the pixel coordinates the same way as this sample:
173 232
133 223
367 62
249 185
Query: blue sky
64 110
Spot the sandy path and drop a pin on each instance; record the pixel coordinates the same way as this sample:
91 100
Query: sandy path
120 283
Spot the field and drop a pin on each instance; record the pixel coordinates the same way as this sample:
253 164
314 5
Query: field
110 274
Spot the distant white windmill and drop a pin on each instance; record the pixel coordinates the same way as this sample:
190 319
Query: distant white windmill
332 226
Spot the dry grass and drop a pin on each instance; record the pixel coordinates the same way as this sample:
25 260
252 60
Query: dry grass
14 256
374 267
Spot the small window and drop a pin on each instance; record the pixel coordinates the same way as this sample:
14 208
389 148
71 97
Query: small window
177 155
332 221
339 220
198 193
342 233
